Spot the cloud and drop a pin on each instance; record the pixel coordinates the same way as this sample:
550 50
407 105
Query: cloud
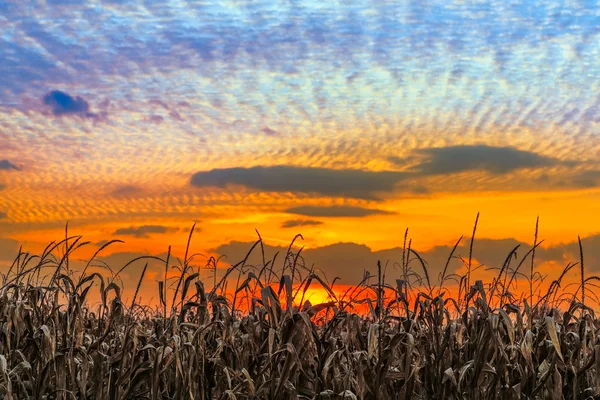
322 181
269 132
586 179
453 159
131 275
371 185
570 252
3 215
6 165
345 260
300 222
142 231
155 119
335 211
9 249
63 103
349 260
126 190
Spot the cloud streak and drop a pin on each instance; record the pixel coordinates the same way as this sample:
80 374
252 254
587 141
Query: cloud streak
300 222
142 231
336 211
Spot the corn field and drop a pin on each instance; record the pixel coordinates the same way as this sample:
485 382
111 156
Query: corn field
262 340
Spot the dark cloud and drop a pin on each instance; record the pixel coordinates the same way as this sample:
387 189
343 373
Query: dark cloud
2 186
370 185
419 189
131 275
453 159
345 260
335 211
350 260
322 181
142 231
586 179
570 252
63 103
6 165
300 222
3 215
269 132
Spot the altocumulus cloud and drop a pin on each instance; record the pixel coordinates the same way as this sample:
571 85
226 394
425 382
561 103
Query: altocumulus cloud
323 181
453 159
6 165
142 231
335 211
126 191
63 103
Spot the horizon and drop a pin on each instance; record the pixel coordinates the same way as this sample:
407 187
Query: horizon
438 271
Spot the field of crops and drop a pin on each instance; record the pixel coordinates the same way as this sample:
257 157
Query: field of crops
389 337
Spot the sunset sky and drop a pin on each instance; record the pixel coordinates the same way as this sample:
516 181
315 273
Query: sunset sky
346 121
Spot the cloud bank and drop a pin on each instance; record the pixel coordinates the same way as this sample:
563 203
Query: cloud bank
283 178
462 158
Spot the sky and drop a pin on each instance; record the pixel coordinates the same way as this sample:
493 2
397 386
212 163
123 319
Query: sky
346 121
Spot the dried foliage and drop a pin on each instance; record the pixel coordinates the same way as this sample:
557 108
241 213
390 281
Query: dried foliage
264 340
